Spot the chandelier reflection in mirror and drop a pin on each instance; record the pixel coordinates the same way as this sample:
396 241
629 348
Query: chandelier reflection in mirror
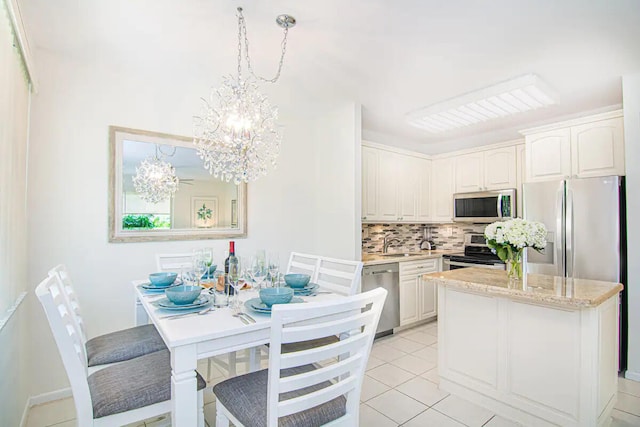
237 136
155 179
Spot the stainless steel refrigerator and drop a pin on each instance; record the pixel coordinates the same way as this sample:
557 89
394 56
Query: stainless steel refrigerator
585 219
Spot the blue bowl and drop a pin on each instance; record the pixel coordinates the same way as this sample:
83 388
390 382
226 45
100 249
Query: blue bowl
183 294
297 280
271 296
162 279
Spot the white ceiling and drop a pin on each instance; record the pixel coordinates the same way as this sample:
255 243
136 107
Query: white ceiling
391 56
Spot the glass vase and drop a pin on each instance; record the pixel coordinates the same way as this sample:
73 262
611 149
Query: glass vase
514 266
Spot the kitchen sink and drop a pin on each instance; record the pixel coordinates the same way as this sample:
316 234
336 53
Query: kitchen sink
396 255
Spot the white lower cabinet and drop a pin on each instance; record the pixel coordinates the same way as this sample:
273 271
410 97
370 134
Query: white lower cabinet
537 364
418 299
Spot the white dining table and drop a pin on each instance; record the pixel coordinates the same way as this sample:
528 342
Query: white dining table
195 337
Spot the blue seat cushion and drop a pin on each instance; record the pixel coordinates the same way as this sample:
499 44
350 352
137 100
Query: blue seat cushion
122 345
133 384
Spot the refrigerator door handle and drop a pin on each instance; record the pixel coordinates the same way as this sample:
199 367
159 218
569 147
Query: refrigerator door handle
569 234
499 206
559 234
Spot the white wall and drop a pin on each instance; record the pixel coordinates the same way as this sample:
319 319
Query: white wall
631 102
306 204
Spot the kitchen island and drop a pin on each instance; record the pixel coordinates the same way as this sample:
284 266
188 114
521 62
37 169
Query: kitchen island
542 352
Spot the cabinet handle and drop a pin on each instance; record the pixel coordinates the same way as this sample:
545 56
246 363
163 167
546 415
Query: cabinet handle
364 217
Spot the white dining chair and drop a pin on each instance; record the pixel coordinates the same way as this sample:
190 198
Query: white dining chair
174 262
301 388
339 276
303 263
119 394
114 347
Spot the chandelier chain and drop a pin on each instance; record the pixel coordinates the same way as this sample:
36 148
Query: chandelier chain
242 31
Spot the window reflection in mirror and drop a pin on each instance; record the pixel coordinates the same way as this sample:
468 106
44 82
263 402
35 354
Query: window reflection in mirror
201 207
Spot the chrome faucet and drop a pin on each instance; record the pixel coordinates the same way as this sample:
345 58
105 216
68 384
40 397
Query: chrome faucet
387 241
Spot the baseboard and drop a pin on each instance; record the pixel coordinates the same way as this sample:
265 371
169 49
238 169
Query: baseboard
39 399
635 376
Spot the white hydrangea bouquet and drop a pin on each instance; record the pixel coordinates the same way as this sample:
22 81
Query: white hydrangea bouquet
509 238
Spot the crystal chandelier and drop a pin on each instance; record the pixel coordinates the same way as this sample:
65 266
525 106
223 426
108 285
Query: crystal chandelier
236 135
155 179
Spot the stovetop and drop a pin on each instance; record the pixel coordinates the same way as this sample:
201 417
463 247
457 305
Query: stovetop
477 254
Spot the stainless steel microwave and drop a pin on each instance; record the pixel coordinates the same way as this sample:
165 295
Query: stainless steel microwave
484 206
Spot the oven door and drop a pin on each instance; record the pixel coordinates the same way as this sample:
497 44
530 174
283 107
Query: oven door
487 206
450 264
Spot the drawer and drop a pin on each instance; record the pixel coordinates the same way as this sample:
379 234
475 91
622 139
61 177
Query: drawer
413 268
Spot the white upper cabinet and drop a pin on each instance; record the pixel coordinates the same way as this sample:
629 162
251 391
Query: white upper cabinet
548 155
469 172
442 186
387 187
486 170
395 187
408 188
597 149
521 159
500 168
587 147
400 187
369 183
424 189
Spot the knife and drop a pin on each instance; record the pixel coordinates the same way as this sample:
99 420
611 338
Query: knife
246 316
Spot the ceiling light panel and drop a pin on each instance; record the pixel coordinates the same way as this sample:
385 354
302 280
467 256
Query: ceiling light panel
519 95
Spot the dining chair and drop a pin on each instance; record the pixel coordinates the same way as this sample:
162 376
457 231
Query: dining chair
174 262
114 347
301 388
119 394
338 276
303 263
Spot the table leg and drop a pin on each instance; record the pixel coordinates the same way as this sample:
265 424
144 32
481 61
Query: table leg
254 359
184 387
141 316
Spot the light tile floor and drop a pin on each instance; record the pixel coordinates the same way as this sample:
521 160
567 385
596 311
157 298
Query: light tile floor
400 388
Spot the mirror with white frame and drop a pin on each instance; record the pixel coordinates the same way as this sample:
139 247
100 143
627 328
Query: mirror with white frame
202 207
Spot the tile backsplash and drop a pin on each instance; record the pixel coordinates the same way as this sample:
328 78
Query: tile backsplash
445 236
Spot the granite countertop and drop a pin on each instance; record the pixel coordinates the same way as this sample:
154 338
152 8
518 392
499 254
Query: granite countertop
375 259
561 291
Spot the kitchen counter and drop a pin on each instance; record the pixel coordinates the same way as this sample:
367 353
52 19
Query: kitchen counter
567 292
544 353
378 258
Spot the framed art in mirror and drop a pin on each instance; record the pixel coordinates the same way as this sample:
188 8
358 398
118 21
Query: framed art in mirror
201 207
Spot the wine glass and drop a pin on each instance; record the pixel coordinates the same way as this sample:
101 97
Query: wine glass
273 264
199 264
258 271
207 254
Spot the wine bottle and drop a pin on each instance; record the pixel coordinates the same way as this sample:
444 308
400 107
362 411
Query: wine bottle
231 267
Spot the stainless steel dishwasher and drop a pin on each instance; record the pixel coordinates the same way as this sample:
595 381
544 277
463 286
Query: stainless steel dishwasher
385 276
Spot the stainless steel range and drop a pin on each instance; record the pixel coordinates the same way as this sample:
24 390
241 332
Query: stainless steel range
476 254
